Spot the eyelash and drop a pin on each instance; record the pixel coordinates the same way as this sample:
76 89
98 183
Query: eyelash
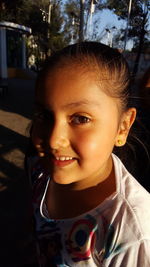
75 119
81 119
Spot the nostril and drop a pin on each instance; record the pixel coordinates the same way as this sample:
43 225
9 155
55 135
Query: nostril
56 143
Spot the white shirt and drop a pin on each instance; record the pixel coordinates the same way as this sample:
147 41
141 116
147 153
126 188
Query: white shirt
114 234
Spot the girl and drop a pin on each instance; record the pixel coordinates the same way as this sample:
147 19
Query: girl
89 210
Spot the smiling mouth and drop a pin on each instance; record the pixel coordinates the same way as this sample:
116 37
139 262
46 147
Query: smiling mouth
63 158
62 161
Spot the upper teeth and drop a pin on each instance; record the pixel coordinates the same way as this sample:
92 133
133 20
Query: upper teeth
64 158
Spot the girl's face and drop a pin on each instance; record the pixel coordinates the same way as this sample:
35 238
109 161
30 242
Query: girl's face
75 128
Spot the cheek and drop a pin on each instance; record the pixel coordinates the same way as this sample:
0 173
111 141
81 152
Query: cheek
88 144
93 144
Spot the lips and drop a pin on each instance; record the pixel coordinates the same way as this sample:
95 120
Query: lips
60 161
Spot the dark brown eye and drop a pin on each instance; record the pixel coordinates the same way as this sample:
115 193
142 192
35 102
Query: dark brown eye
79 119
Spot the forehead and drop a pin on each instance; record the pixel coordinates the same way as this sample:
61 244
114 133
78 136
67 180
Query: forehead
75 75
69 88
68 81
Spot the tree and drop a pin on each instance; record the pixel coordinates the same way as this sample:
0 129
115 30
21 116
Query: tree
71 17
48 37
138 23
72 10
16 11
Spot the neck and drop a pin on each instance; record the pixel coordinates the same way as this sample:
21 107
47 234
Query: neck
66 201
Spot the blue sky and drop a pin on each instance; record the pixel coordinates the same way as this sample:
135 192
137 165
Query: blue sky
107 19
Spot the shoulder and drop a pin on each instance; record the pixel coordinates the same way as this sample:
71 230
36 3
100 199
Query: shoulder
126 217
135 200
136 255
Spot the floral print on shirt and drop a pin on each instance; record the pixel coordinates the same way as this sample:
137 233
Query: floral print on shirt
63 244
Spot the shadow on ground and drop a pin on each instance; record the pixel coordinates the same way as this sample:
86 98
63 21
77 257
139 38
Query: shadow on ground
19 97
16 247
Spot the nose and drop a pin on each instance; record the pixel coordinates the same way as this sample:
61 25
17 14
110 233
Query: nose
59 136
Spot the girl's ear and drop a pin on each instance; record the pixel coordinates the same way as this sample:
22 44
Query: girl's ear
127 120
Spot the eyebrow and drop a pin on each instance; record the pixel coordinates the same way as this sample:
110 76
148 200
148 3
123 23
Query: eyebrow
76 104
80 103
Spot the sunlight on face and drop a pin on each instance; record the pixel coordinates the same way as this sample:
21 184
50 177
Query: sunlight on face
76 126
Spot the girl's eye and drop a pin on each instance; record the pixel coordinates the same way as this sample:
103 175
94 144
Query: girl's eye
79 119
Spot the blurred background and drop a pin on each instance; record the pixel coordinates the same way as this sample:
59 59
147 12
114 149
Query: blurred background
34 29
30 30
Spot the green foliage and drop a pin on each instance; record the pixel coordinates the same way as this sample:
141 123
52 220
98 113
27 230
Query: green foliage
72 19
65 20
15 11
137 22
138 16
71 16
48 37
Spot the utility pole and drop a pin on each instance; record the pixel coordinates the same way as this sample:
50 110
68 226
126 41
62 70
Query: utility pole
49 21
49 17
81 25
126 31
49 12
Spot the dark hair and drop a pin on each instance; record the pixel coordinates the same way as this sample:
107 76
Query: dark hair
109 67
107 64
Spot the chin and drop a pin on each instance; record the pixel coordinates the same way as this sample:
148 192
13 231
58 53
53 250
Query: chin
62 181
